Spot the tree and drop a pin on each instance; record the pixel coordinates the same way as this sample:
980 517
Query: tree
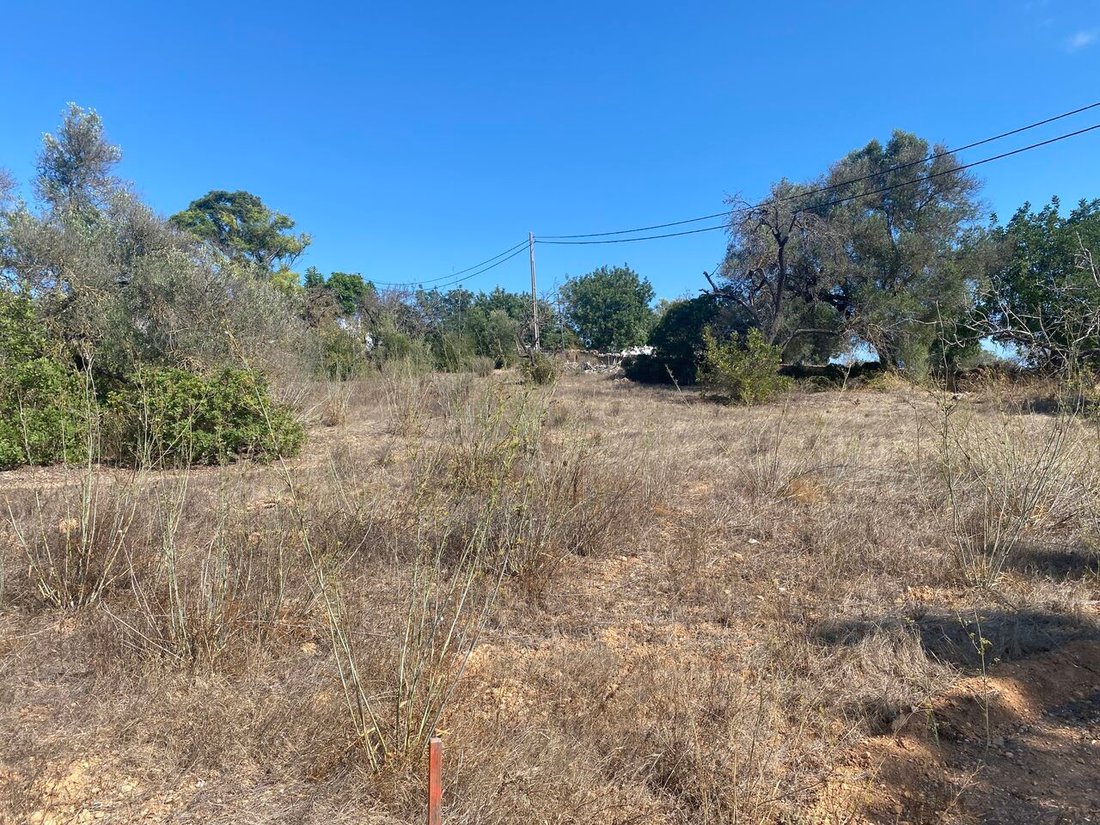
609 308
782 270
677 341
112 284
242 228
903 219
351 291
495 334
1043 297
75 165
874 249
7 189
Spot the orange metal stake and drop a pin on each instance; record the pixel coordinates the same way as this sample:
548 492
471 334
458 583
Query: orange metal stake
435 781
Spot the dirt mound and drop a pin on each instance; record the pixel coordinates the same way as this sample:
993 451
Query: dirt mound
1019 745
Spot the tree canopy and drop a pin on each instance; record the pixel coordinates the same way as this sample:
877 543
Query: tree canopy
351 292
110 281
870 251
242 228
74 168
1043 295
609 308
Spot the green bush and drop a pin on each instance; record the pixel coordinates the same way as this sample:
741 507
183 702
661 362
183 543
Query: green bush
647 369
677 340
453 352
339 355
539 368
44 414
22 335
414 354
172 415
744 374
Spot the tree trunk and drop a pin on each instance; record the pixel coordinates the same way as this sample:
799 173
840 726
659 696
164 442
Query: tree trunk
780 286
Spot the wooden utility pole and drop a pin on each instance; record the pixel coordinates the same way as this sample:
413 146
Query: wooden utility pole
534 294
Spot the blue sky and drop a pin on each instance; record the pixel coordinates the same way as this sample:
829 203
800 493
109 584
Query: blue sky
415 139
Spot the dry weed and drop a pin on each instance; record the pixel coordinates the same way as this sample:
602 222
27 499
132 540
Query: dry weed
616 604
1008 479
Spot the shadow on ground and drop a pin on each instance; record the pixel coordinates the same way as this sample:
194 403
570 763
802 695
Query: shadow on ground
1058 563
955 638
1016 743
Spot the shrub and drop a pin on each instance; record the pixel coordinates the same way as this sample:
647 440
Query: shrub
22 335
483 366
394 345
539 368
44 414
745 374
339 354
647 369
495 334
453 352
86 538
677 339
1006 486
174 415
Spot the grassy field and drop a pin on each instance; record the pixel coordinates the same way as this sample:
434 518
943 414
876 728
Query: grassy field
615 604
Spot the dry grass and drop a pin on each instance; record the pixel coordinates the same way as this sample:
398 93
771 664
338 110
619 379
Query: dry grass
615 604
1008 480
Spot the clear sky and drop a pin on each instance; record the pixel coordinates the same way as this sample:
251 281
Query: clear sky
415 139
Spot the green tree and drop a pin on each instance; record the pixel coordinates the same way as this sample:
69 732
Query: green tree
495 334
351 291
242 228
904 224
7 189
874 249
113 284
783 271
517 307
1043 296
609 308
75 165
677 340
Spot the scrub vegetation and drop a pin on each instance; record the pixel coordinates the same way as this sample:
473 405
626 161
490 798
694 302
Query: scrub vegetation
263 534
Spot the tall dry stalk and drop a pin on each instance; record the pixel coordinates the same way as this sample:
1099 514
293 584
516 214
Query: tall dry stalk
1004 481
395 697
79 550
778 467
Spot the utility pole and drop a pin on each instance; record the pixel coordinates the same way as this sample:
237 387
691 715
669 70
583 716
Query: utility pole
534 294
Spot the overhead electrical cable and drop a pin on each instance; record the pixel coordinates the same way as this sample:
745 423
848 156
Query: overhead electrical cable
821 189
642 238
518 247
599 238
834 202
474 274
959 168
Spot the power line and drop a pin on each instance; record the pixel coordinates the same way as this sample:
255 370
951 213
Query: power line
831 187
642 238
500 258
456 281
834 202
521 244
959 168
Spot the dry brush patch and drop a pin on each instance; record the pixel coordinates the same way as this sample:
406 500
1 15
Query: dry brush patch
617 604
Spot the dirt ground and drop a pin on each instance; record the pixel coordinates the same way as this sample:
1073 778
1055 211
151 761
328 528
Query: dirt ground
780 636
